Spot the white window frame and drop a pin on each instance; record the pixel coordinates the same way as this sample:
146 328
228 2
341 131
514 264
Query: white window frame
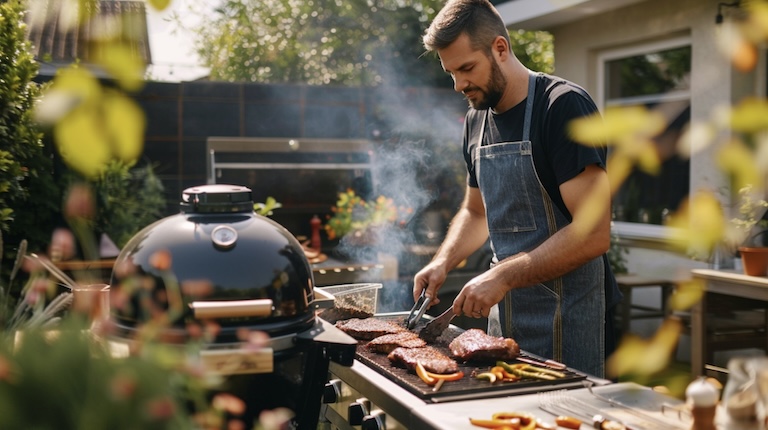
617 53
650 234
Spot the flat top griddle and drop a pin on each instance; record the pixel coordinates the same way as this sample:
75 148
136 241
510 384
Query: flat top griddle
467 387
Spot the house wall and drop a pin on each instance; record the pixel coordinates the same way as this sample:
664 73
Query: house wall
714 83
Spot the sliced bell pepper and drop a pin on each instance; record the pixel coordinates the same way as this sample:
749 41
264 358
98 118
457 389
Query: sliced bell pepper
431 378
446 376
527 421
525 370
495 424
422 372
488 376
568 422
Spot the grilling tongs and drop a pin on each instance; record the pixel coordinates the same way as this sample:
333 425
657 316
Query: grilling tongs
437 326
417 311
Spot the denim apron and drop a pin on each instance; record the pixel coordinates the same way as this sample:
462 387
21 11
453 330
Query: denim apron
545 319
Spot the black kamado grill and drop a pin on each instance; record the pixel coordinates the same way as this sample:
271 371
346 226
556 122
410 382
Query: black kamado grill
219 261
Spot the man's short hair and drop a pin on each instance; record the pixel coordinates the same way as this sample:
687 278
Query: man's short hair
477 18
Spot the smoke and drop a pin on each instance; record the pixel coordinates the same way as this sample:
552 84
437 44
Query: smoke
418 164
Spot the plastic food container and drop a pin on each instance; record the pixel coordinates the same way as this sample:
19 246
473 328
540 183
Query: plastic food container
351 301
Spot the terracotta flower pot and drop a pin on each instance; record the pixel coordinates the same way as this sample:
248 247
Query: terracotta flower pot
754 260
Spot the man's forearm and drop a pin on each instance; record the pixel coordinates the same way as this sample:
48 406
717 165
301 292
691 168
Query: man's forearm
467 232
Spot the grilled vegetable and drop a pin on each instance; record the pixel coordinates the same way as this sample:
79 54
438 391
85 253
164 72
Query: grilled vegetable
488 376
568 422
495 424
527 421
422 372
508 420
524 370
431 378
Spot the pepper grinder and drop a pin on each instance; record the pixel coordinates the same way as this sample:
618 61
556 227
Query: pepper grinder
703 397
315 238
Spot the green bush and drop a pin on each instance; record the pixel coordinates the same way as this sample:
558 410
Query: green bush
127 200
29 194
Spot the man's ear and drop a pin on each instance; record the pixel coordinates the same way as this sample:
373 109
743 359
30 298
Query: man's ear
500 48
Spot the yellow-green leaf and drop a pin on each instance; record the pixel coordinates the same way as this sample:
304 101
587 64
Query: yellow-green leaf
79 81
122 63
639 356
756 26
617 125
686 295
125 124
699 224
619 168
750 115
737 160
82 143
159 5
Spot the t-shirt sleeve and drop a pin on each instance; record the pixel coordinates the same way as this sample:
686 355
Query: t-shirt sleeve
470 139
570 157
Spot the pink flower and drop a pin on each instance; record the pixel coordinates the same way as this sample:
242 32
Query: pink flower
123 386
80 202
160 409
62 245
228 403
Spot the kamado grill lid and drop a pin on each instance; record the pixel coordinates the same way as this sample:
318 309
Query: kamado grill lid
216 199
217 259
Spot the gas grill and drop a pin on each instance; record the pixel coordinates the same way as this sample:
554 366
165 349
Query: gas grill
377 395
373 395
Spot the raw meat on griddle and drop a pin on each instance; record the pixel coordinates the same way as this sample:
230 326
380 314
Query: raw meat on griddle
339 313
475 345
388 342
368 328
432 359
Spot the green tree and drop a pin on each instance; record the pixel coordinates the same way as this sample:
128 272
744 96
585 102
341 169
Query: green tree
535 49
316 42
29 196
373 42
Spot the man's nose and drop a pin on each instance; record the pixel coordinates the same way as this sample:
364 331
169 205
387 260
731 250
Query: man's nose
459 84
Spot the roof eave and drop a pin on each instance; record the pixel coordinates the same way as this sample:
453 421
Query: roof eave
546 14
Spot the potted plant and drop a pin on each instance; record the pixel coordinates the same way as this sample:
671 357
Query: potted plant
355 218
360 225
748 231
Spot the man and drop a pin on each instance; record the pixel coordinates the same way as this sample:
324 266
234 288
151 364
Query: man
543 199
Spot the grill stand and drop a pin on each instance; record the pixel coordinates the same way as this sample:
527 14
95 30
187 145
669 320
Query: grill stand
325 344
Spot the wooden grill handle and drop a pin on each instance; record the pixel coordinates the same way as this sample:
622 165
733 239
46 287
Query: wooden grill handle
232 308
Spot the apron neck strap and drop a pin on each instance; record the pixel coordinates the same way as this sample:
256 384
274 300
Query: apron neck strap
529 105
528 110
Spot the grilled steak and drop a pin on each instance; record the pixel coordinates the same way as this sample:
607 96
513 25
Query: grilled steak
475 345
385 344
368 328
429 357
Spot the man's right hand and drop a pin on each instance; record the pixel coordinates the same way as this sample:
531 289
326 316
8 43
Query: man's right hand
431 278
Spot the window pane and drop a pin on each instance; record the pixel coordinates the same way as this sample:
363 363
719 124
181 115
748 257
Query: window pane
646 198
648 80
649 74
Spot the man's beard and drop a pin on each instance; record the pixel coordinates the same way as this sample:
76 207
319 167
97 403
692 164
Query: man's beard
495 89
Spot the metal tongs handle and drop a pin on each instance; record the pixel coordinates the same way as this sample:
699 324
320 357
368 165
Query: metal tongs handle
422 303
